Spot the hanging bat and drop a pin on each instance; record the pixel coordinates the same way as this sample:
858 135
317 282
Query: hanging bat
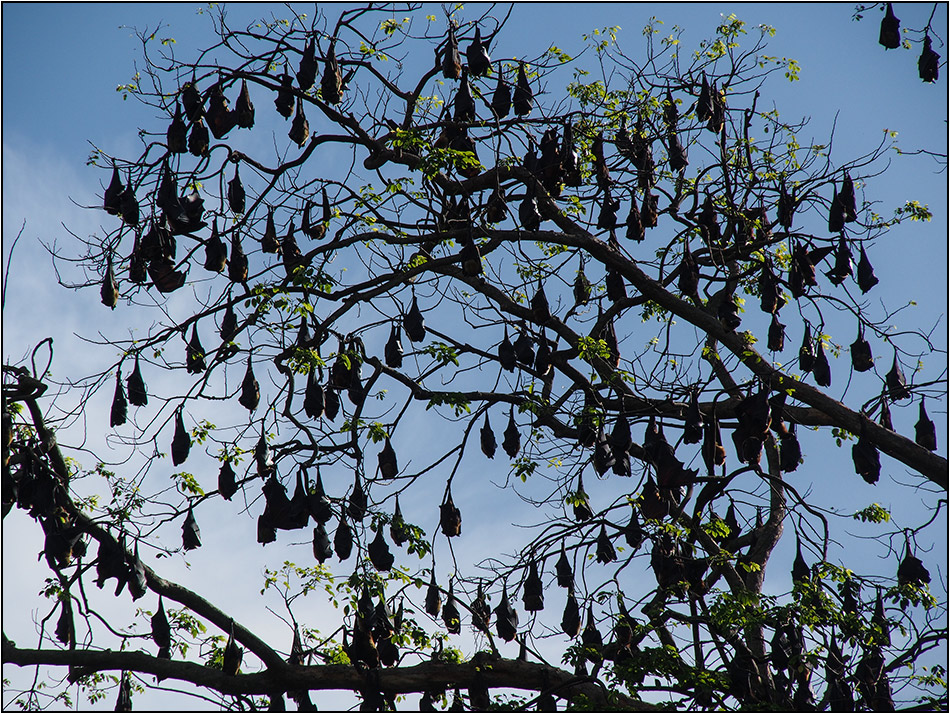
528 212
581 504
607 220
506 618
836 211
533 593
487 439
190 534
501 98
307 72
237 265
388 468
569 162
512 437
562 568
866 277
591 637
413 322
646 167
161 631
676 153
181 442
331 84
343 540
523 347
123 702
605 549
652 505
290 252
620 438
397 526
138 583
928 63
896 385
243 108
233 654
331 402
633 532
624 143
128 205
790 453
890 35
648 212
450 517
269 242
355 391
885 419
603 458
704 104
693 424
236 194
137 270
821 369
433 602
229 325
571 618
718 116
496 209
470 258
220 118
911 570
776 341
379 554
176 137
284 102
463 105
216 254
227 486
314 398
728 313
356 504
806 353
164 276
451 61
786 206
199 140
195 353
867 461
769 291
477 55
191 100
861 358
136 386
300 128
582 287
925 430
586 435
450 613
298 508
539 305
318 503
634 223
110 563
601 172
120 407
523 100
506 353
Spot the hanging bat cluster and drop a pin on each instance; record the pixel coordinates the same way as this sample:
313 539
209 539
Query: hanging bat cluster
552 164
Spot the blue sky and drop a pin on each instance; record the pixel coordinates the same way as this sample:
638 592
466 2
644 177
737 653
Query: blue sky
62 63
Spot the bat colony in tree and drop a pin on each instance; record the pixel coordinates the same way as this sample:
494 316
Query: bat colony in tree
494 253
